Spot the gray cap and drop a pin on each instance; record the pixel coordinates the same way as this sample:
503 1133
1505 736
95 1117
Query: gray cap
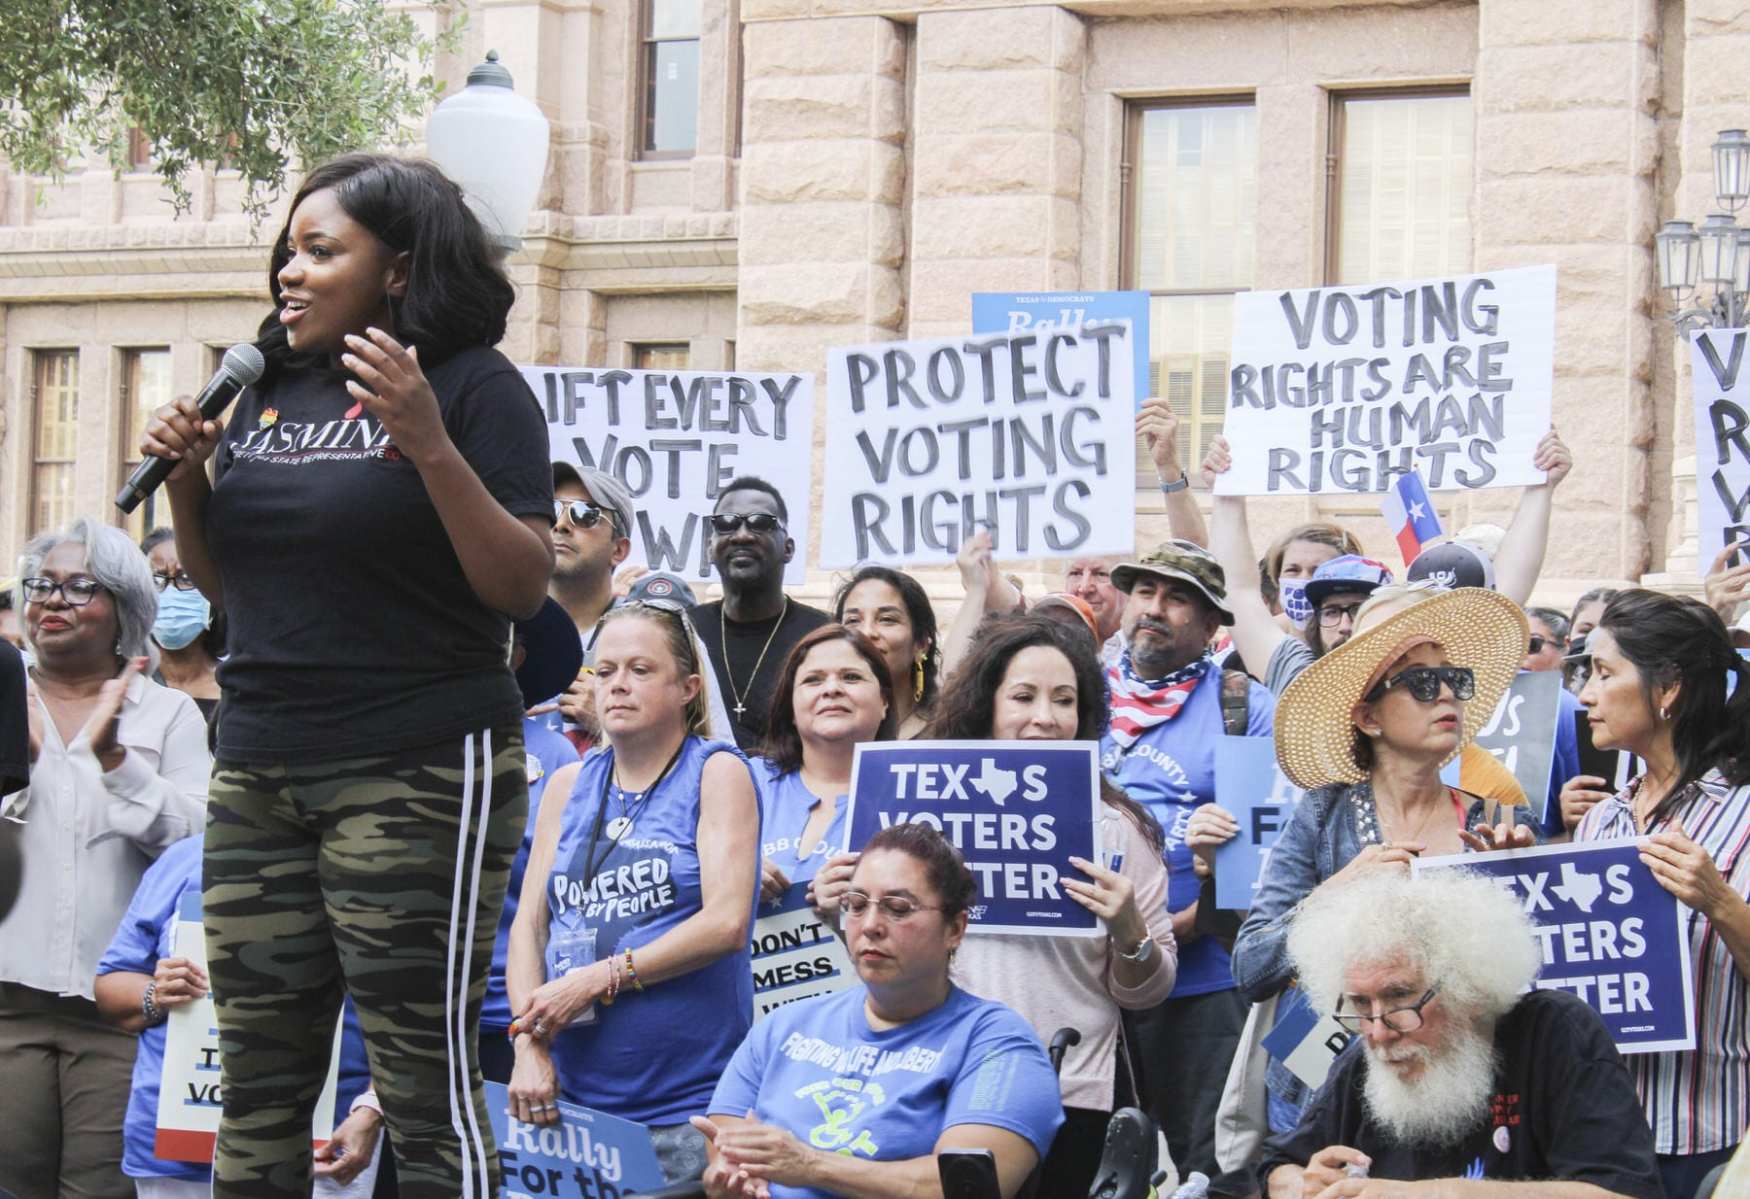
606 490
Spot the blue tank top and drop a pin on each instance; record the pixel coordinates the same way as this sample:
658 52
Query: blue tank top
654 1056
785 806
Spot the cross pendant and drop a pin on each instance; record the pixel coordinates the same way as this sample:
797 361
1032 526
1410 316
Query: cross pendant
740 709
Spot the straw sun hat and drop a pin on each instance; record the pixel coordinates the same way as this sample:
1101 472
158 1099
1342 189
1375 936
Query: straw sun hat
1315 736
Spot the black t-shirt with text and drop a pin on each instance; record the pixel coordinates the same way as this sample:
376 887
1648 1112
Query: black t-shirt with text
740 675
14 722
1563 1108
352 627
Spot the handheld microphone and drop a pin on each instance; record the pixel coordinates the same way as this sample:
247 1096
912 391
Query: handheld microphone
242 365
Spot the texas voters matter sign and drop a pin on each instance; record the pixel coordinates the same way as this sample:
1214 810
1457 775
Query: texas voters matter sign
1017 811
1610 934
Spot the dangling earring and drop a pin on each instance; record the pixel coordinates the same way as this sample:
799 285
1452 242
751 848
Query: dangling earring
118 647
1665 713
917 675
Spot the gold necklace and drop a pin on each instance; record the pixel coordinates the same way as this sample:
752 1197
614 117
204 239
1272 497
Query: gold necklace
728 672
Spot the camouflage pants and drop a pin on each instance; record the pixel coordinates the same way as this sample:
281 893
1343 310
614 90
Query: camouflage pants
384 875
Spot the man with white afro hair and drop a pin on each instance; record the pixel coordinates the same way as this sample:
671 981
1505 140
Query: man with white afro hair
1466 1084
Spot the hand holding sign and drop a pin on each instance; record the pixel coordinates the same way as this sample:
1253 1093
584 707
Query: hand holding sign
177 981
534 1085
830 883
1553 458
1687 871
1505 835
1578 795
1217 462
1728 586
1157 427
1111 897
1210 827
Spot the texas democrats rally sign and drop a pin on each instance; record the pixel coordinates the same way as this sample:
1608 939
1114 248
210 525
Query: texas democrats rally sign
1610 934
1016 810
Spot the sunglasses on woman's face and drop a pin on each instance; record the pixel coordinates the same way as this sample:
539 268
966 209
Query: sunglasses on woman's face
1424 682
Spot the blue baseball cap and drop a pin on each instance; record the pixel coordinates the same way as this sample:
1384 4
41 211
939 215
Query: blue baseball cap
1349 573
662 585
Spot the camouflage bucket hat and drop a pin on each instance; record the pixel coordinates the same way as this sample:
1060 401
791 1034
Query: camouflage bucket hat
1185 561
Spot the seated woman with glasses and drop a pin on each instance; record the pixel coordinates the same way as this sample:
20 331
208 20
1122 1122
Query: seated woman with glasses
118 772
1366 730
184 629
832 696
628 969
856 1093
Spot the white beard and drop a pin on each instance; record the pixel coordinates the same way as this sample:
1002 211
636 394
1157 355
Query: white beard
1447 1100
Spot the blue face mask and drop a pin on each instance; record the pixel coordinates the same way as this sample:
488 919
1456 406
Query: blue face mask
182 616
1292 592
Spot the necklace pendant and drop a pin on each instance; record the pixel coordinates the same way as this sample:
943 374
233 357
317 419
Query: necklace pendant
740 710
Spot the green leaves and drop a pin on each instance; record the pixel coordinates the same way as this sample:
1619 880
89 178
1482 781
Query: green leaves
253 85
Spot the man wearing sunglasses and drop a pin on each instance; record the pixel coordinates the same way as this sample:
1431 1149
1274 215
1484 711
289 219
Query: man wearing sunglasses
750 631
592 526
1464 1082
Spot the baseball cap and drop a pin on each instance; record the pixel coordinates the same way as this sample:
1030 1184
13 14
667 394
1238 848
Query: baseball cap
1453 564
661 585
1185 561
1346 573
605 489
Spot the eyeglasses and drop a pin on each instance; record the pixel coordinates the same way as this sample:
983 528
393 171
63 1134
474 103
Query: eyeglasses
894 907
1399 1019
1423 682
759 522
582 514
76 592
1331 615
179 580
1537 644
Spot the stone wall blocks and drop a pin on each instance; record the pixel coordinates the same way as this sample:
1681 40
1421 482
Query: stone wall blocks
997 163
1532 22
1558 209
991 101
1580 141
801 293
788 172
835 231
1547 78
860 45
804 107
983 227
1001 38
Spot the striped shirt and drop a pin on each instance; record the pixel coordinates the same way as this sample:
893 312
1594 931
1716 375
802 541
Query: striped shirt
1699 1101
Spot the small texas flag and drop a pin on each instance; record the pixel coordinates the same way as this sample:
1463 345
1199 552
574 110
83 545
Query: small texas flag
1410 514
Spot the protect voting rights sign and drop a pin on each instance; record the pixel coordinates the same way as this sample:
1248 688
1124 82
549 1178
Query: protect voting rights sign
188 1090
1609 932
1030 434
1722 450
1016 312
675 438
1251 786
587 1155
1522 732
795 954
1016 810
1342 388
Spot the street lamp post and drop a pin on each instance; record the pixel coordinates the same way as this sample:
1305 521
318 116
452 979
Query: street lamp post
493 143
1717 254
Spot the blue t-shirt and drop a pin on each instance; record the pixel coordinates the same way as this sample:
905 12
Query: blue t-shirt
1170 770
545 752
145 935
785 806
1566 763
654 1055
817 1069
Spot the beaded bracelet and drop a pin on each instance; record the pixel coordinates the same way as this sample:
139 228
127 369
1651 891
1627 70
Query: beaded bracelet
632 972
149 1004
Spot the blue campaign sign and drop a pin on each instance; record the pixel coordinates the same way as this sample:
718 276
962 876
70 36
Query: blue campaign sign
1017 811
587 1155
1610 934
1252 787
1010 312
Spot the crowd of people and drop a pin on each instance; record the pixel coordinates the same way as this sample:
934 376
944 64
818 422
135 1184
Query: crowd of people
444 772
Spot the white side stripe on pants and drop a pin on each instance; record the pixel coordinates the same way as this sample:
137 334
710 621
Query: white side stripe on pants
455 1014
483 818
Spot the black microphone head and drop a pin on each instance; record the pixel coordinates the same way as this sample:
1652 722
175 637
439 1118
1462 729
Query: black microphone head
244 363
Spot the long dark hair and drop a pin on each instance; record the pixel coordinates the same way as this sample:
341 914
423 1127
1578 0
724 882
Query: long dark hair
969 700
917 607
1677 640
457 293
783 744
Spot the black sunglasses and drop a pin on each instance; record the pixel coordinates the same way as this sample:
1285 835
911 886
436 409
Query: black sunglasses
582 514
1537 644
1423 682
759 522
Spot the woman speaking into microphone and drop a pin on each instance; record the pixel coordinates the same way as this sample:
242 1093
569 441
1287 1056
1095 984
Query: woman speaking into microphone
380 511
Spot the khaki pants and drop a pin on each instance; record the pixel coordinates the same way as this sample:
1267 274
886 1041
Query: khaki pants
64 1081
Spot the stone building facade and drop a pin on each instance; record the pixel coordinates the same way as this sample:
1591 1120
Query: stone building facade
749 183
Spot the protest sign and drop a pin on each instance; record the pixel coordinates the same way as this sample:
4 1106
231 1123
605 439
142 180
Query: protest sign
1343 388
1028 433
1522 733
1252 787
1016 810
1017 312
675 438
1722 450
1303 1040
587 1155
795 955
188 1090
1609 933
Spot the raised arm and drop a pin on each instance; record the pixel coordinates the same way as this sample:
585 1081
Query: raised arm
1255 631
1157 427
177 432
1520 559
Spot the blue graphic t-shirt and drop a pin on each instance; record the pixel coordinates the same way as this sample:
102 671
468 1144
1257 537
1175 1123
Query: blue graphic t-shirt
785 806
147 930
1171 771
654 1055
545 752
817 1069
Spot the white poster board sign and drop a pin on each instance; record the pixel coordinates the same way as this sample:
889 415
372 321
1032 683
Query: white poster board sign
1722 441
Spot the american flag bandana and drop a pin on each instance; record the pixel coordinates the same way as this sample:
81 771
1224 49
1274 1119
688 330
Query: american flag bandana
1138 705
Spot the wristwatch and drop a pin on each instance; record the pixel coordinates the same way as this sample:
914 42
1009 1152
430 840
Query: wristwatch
1140 951
1178 484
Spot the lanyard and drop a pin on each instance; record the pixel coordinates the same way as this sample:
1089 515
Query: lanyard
591 862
